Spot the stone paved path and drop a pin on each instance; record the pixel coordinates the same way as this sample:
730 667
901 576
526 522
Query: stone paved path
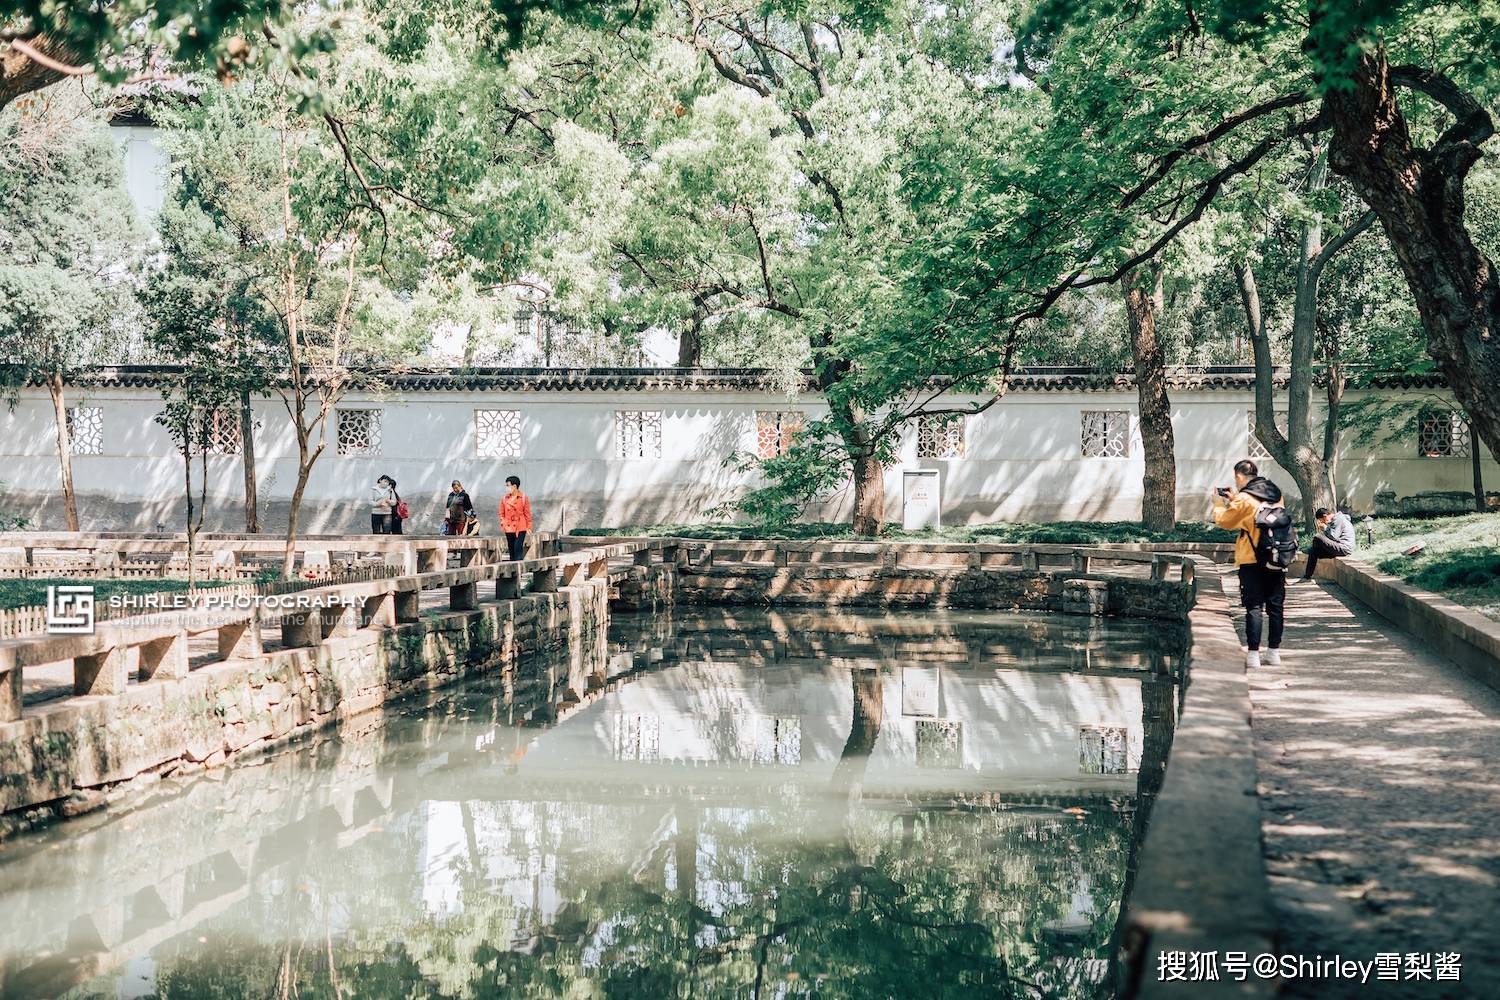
1380 798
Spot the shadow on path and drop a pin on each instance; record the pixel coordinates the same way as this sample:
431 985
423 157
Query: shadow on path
1379 771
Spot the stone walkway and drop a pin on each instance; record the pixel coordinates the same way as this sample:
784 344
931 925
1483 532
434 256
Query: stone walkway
1380 798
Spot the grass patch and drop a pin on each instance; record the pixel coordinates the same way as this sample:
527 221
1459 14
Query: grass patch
17 593
1009 533
1460 558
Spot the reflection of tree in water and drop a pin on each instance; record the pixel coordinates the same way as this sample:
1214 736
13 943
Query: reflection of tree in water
801 895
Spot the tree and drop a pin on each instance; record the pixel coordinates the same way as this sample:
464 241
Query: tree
203 312
68 234
1190 114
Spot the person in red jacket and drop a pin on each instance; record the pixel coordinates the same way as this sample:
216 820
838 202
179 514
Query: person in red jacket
515 517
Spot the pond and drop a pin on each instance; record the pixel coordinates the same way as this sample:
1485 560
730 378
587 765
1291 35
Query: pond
707 804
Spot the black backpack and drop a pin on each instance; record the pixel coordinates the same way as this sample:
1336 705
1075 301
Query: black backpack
1276 538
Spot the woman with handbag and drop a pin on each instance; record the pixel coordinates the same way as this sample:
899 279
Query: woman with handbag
383 501
400 512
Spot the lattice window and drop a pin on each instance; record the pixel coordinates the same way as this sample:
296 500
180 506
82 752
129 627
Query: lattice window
359 432
637 736
1442 434
1103 750
940 743
1253 448
942 435
498 433
221 432
86 430
1106 434
775 430
638 433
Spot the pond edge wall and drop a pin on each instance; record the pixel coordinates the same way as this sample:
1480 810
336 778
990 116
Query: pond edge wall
1201 882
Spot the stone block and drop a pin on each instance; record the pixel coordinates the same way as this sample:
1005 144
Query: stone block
164 659
104 673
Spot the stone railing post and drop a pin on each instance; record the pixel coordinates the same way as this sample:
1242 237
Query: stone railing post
240 640
571 572
544 581
1189 571
379 611
889 555
164 659
674 555
1028 560
1080 562
10 691
1158 567
408 606
338 620
301 628
463 597
643 556
508 586
432 559
102 673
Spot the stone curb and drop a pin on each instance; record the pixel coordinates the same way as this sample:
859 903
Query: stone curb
1200 881
1466 637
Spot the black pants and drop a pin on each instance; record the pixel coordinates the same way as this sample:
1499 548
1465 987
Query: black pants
395 525
380 524
516 540
1263 593
1323 547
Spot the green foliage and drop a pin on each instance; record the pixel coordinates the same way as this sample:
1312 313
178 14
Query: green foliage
68 236
1460 558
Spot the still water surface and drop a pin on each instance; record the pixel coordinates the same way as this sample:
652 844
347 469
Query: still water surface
717 804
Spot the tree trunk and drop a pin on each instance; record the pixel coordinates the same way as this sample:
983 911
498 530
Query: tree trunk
187 492
1418 195
64 448
869 494
247 455
1474 456
690 344
20 74
1159 485
305 460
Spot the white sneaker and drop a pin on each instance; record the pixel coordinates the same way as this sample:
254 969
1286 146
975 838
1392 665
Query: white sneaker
1271 658
1252 658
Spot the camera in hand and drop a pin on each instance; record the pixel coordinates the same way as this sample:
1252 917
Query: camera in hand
1222 491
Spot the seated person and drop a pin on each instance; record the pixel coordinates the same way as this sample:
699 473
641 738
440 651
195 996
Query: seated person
1335 538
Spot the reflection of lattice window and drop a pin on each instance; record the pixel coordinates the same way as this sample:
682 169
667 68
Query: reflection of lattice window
1442 434
1254 449
1103 750
637 736
638 433
775 430
498 433
221 432
942 435
86 430
777 741
1106 434
940 743
359 432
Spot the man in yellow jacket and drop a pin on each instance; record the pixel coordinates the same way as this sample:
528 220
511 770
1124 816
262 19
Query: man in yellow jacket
1262 589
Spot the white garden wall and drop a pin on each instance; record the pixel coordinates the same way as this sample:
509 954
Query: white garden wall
1023 457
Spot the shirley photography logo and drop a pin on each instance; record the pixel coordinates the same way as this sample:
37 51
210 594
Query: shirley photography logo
70 609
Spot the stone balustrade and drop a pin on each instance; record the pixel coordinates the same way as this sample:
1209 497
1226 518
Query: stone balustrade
154 646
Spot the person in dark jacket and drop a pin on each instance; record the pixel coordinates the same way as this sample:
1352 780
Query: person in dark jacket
459 509
1262 589
1335 538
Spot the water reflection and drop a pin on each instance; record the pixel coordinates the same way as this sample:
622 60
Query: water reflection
717 805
